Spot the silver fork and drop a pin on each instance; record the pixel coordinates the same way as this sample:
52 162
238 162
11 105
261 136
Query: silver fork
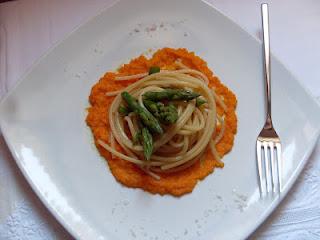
268 141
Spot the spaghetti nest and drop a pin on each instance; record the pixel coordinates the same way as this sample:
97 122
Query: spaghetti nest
162 130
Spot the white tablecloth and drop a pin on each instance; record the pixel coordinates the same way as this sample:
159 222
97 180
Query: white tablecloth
29 27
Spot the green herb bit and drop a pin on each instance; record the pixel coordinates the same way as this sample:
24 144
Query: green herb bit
154 69
200 101
123 110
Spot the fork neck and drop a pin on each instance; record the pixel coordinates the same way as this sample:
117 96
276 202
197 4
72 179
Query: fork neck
268 124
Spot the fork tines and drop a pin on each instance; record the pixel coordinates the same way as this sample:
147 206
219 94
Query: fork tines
269 154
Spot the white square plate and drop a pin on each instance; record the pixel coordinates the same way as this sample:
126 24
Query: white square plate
43 122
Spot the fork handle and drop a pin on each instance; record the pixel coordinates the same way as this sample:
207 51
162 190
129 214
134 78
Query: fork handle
266 48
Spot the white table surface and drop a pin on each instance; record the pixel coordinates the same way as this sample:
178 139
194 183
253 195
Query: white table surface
28 28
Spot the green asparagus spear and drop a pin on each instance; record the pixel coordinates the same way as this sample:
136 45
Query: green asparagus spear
147 143
152 107
165 114
136 138
171 94
168 114
154 69
144 137
146 117
200 101
123 110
